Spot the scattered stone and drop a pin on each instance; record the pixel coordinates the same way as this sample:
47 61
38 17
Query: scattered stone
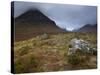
83 46
44 36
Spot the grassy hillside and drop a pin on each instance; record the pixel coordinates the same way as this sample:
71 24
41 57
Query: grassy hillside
25 31
48 52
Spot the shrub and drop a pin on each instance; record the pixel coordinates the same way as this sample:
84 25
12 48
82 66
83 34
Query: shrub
24 50
70 46
74 59
93 51
78 58
26 64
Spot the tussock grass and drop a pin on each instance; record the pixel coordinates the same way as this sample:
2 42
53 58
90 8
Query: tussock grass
43 53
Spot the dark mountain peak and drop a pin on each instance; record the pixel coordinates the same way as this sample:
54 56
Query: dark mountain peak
33 16
33 23
31 13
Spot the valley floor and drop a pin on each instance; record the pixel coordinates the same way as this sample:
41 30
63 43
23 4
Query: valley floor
48 52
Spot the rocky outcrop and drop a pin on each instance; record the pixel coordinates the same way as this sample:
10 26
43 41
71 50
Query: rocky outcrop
80 45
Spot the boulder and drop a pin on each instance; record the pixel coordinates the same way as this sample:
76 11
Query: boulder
82 45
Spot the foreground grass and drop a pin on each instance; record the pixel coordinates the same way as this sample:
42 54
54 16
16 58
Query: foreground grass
41 54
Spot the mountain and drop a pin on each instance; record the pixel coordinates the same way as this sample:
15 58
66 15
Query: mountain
33 16
88 28
32 23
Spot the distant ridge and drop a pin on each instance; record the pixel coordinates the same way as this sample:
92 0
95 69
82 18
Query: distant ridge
88 28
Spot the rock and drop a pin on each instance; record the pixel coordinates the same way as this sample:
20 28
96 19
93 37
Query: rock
43 36
83 46
71 51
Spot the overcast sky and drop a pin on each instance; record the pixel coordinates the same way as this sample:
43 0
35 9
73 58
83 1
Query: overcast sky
65 16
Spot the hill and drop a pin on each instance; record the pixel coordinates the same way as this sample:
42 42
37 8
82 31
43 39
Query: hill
32 23
88 28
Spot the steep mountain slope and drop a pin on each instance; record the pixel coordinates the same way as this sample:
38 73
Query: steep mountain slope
33 16
32 23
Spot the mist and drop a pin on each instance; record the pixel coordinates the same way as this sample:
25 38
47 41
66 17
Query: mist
65 16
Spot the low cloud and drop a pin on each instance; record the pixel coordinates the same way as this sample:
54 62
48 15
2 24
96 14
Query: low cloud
65 16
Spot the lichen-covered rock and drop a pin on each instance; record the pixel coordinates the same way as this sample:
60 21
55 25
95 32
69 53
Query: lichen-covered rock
43 36
83 46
